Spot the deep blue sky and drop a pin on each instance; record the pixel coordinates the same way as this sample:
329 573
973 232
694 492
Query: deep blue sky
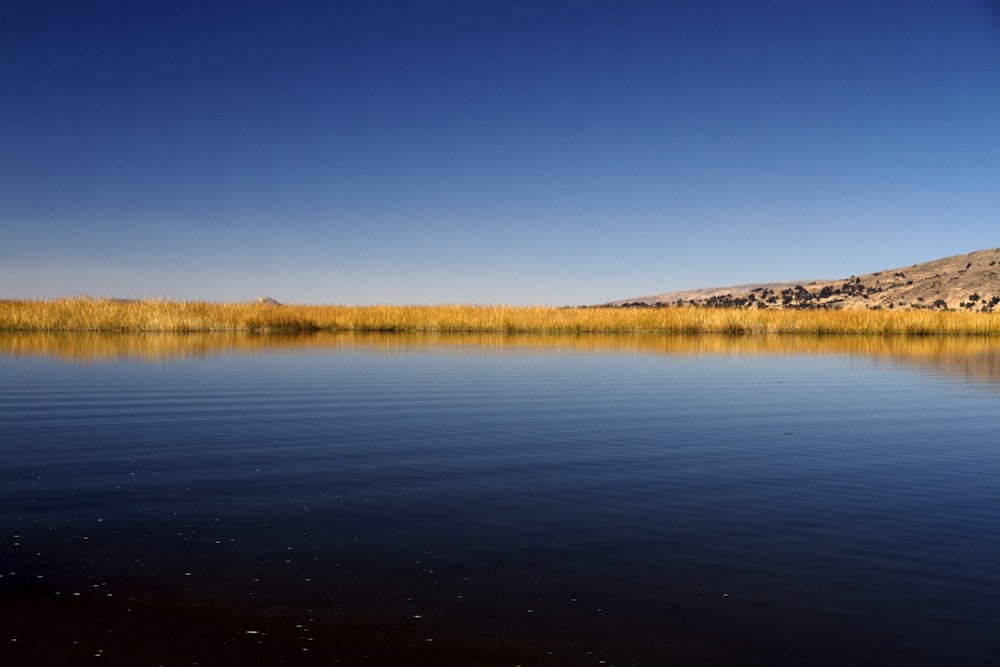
480 151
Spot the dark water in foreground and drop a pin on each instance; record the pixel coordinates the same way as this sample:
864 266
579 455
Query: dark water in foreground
483 500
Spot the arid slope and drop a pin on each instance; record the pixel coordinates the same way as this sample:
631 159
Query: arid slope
963 282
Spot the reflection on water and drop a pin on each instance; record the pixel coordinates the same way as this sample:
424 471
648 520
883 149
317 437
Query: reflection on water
971 358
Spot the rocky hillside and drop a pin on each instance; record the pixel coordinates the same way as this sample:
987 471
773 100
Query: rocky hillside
963 282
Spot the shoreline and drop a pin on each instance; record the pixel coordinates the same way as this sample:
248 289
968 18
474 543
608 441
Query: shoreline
123 316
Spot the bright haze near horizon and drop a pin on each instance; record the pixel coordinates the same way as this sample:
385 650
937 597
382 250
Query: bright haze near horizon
522 152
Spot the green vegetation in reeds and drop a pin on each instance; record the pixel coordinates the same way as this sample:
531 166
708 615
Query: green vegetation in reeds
112 315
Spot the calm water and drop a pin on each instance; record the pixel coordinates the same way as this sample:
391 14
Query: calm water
500 500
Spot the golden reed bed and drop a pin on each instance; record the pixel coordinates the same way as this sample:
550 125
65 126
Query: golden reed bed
110 315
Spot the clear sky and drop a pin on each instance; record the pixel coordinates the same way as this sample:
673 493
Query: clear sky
488 151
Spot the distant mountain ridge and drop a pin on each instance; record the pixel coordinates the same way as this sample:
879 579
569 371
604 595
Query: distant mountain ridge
961 282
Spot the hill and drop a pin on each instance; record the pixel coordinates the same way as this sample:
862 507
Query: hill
962 282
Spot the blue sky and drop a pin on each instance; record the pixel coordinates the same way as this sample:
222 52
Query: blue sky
480 151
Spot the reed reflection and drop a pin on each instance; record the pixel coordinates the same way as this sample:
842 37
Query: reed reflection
972 358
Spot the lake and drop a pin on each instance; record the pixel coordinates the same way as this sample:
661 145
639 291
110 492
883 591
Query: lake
509 500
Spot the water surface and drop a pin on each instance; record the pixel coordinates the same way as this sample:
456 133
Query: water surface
397 499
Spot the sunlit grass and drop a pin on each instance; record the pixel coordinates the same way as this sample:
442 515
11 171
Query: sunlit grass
110 315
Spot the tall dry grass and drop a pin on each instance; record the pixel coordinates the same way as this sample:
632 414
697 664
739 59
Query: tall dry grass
86 314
